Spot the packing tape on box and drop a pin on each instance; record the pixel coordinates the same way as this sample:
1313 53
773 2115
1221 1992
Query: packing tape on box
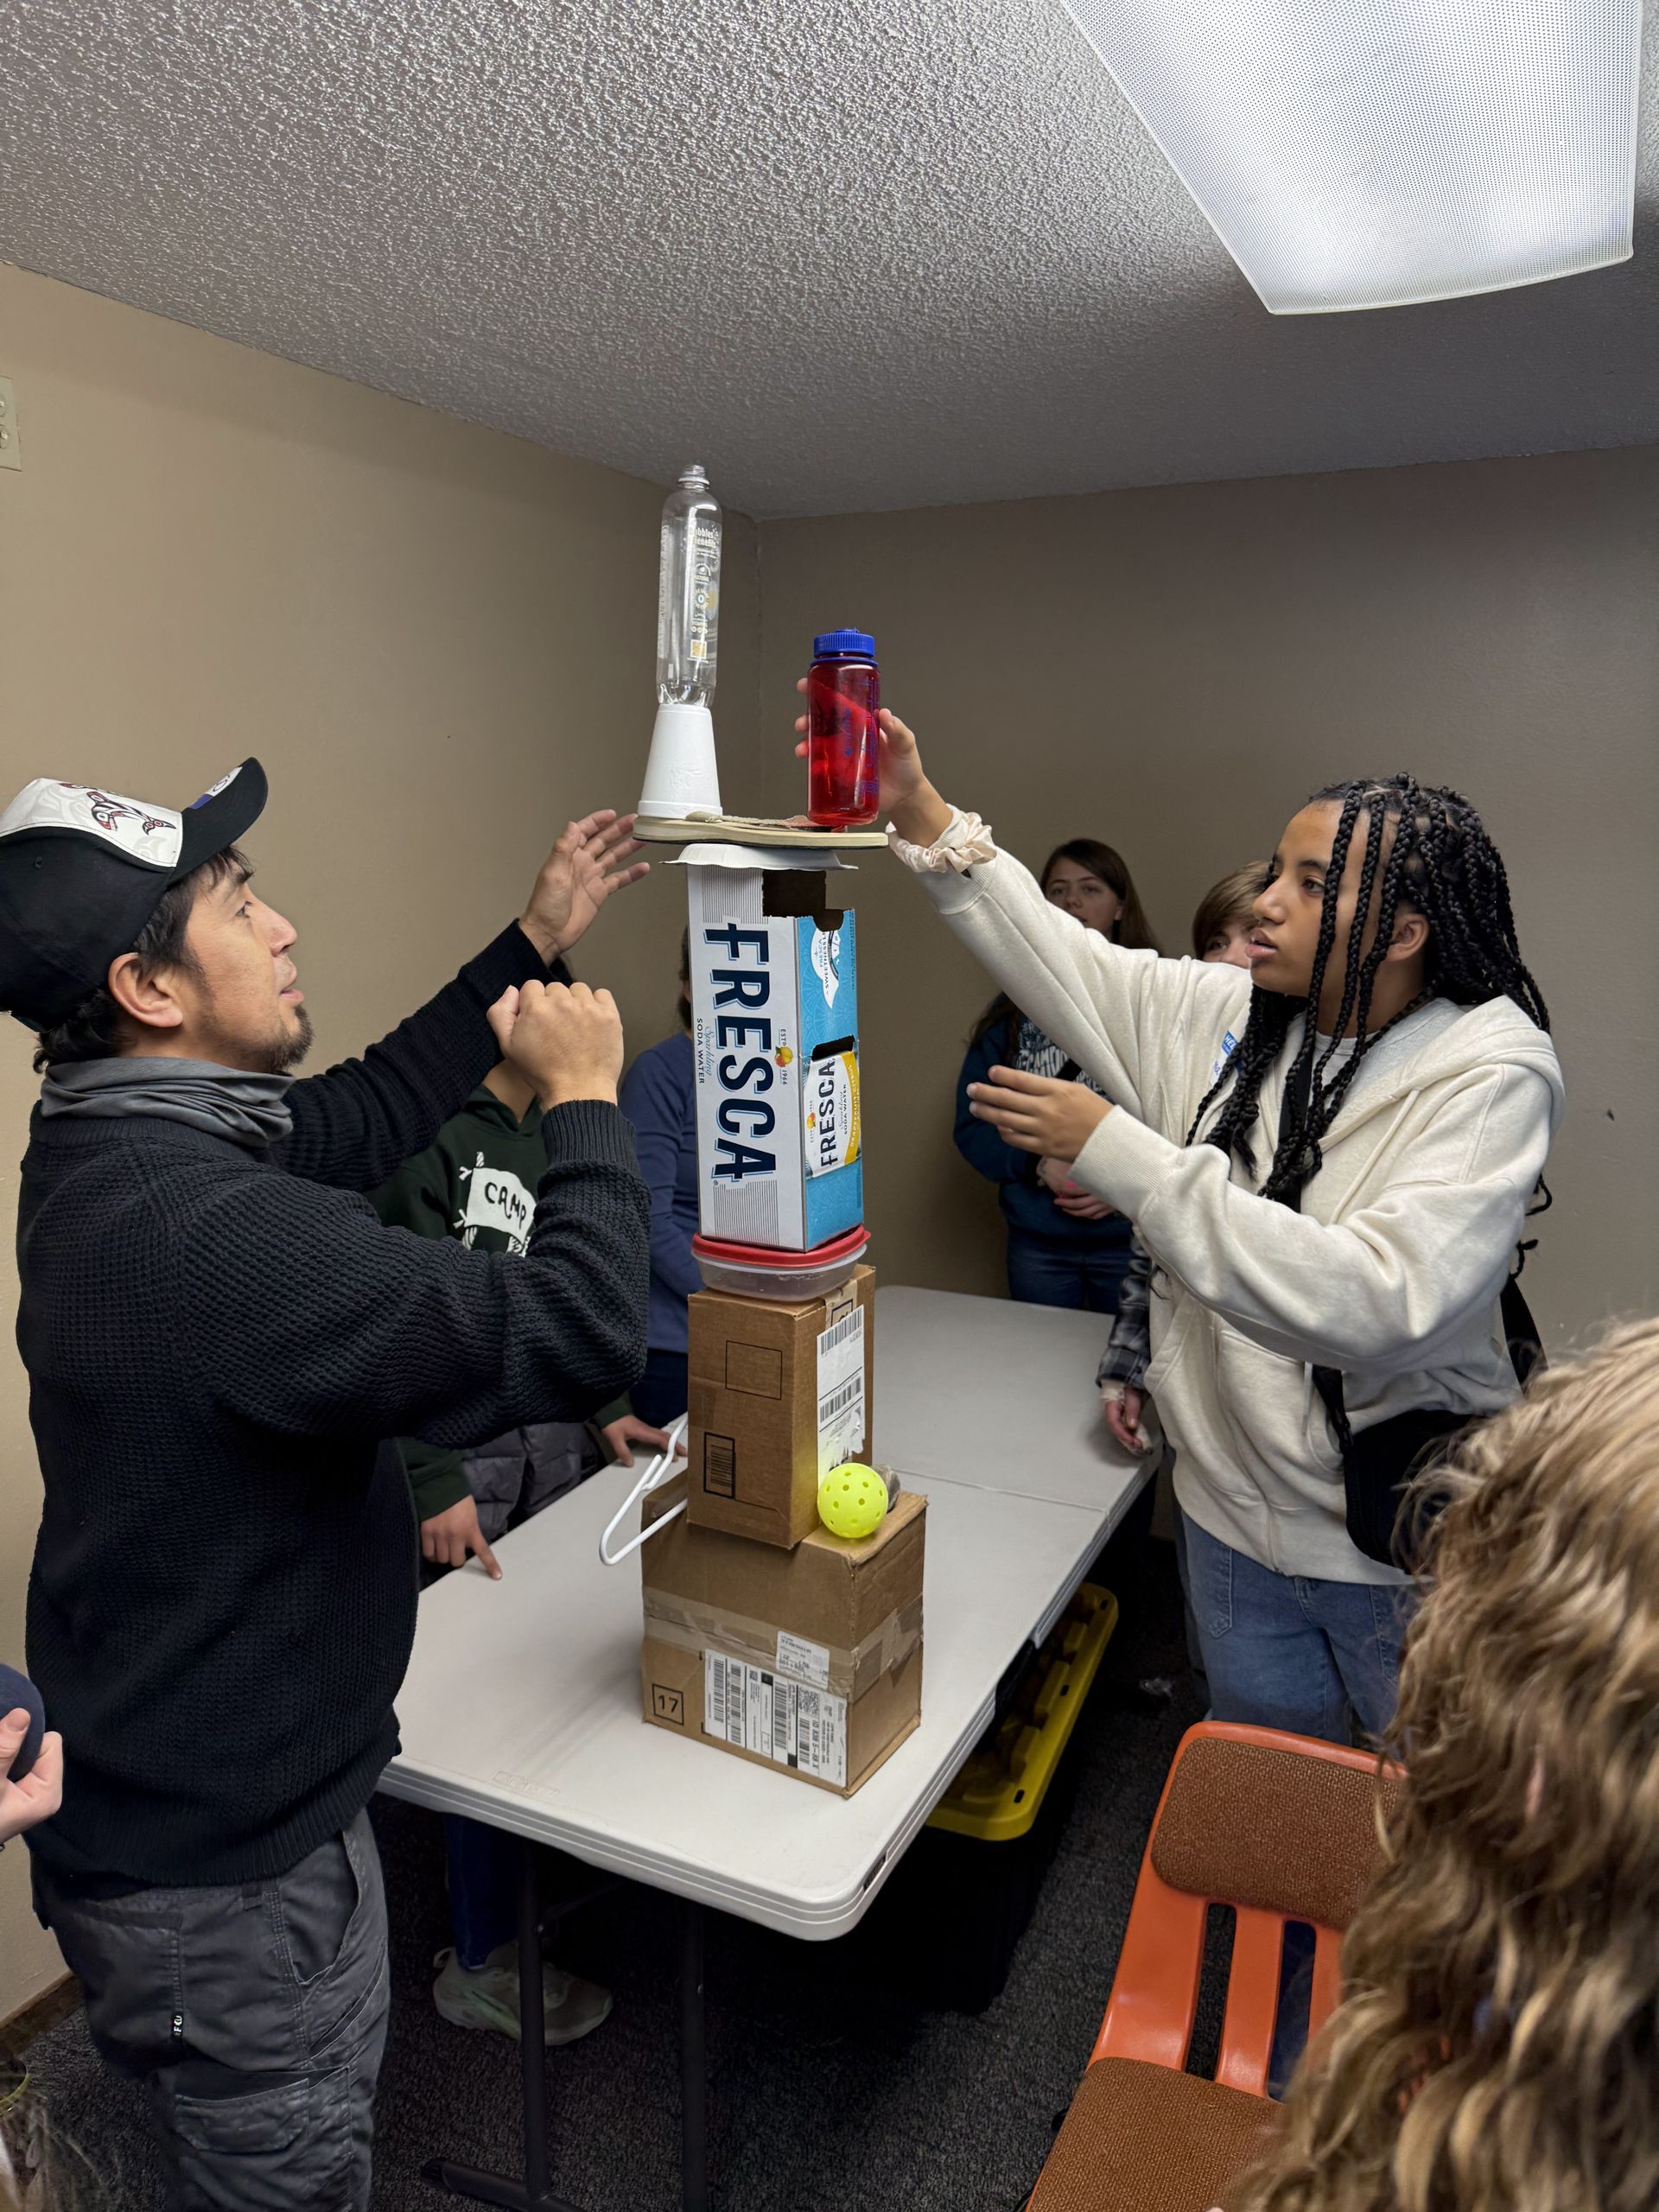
848 1674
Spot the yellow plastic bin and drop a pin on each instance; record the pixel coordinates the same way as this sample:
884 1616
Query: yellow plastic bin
947 1924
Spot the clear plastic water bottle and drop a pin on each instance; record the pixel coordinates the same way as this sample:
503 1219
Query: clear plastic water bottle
688 603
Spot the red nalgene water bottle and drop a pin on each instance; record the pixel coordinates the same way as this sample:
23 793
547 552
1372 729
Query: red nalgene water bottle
843 697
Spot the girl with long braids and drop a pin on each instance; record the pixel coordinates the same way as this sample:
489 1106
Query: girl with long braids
1497 2047
1387 1063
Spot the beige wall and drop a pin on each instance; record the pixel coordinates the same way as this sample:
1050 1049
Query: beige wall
1174 670
439 641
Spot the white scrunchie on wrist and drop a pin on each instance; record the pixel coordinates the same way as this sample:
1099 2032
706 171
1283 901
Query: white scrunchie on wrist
964 843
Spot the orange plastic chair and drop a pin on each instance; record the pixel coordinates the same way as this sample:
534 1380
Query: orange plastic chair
1281 1827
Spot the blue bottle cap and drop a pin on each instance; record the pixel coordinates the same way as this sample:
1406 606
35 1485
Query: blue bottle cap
844 644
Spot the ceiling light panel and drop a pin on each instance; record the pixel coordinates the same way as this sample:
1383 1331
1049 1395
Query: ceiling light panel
1376 153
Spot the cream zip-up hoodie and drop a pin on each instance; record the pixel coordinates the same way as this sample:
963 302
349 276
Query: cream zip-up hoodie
1391 1271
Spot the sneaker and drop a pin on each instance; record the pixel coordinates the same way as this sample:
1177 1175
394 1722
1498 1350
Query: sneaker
488 1997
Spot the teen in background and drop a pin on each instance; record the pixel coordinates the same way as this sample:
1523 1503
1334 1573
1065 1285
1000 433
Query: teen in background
476 1182
1066 1246
1386 1071
1497 2043
658 1095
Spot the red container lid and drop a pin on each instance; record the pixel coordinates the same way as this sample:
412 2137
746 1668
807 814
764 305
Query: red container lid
767 1256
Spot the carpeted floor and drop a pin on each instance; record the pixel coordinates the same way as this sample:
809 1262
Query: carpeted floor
828 2093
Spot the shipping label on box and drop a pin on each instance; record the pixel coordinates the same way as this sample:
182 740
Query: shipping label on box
843 1420
774 1022
772 1717
778 1396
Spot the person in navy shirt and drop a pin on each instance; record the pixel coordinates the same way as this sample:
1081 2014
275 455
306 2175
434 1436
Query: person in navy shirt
1066 1246
658 1095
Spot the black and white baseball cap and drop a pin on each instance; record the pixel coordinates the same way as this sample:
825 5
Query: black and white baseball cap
82 870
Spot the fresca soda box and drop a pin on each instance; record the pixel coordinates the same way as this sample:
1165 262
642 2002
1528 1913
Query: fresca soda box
774 1031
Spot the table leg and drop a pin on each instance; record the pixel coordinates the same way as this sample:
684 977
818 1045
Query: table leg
532 2051
694 2065
532 2194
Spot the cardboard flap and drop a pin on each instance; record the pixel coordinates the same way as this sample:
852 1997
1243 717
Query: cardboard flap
800 892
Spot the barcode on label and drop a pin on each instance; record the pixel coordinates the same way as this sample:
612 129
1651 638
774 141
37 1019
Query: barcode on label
724 1697
841 1390
757 1710
838 1332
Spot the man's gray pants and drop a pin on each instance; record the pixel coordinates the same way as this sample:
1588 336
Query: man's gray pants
257 2015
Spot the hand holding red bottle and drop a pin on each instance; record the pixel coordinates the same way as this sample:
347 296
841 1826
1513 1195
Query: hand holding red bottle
916 811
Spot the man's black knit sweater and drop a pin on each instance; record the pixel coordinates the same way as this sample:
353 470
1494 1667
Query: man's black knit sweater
217 1340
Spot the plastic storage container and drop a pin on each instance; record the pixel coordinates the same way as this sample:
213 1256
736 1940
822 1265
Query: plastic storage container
843 697
784 1278
946 1928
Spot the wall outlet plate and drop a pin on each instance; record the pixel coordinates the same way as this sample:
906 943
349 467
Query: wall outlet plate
10 451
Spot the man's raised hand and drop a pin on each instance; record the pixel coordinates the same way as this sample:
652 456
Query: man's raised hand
593 858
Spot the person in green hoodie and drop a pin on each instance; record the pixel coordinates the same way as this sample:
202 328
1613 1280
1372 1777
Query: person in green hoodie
476 1182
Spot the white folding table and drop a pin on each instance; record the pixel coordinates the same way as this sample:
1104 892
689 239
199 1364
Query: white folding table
985 1391
522 1704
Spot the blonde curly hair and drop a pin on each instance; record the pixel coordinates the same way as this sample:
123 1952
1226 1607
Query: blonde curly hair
1497 2046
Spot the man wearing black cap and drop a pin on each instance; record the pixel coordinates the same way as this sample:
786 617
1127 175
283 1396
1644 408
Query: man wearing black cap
219 1332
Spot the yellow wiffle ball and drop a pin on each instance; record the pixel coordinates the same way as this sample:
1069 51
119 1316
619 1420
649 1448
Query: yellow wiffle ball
852 1501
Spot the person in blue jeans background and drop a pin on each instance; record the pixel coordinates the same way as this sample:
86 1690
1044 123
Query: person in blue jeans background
658 1095
1066 1246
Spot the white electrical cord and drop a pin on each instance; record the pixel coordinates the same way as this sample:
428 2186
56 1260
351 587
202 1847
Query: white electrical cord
658 1472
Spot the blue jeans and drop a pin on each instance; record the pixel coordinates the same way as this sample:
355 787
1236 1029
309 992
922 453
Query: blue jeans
483 1887
1189 1618
1043 1271
1290 1651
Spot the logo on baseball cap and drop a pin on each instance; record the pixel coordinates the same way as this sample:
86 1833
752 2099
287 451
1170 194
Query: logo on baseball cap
82 870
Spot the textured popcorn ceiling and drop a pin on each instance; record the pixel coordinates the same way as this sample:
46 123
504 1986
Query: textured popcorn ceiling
847 254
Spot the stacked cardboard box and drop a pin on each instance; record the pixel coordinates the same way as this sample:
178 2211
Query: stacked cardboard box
765 1635
780 1395
808 1660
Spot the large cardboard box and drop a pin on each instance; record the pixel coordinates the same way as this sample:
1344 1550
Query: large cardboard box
808 1660
774 1034
778 1396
